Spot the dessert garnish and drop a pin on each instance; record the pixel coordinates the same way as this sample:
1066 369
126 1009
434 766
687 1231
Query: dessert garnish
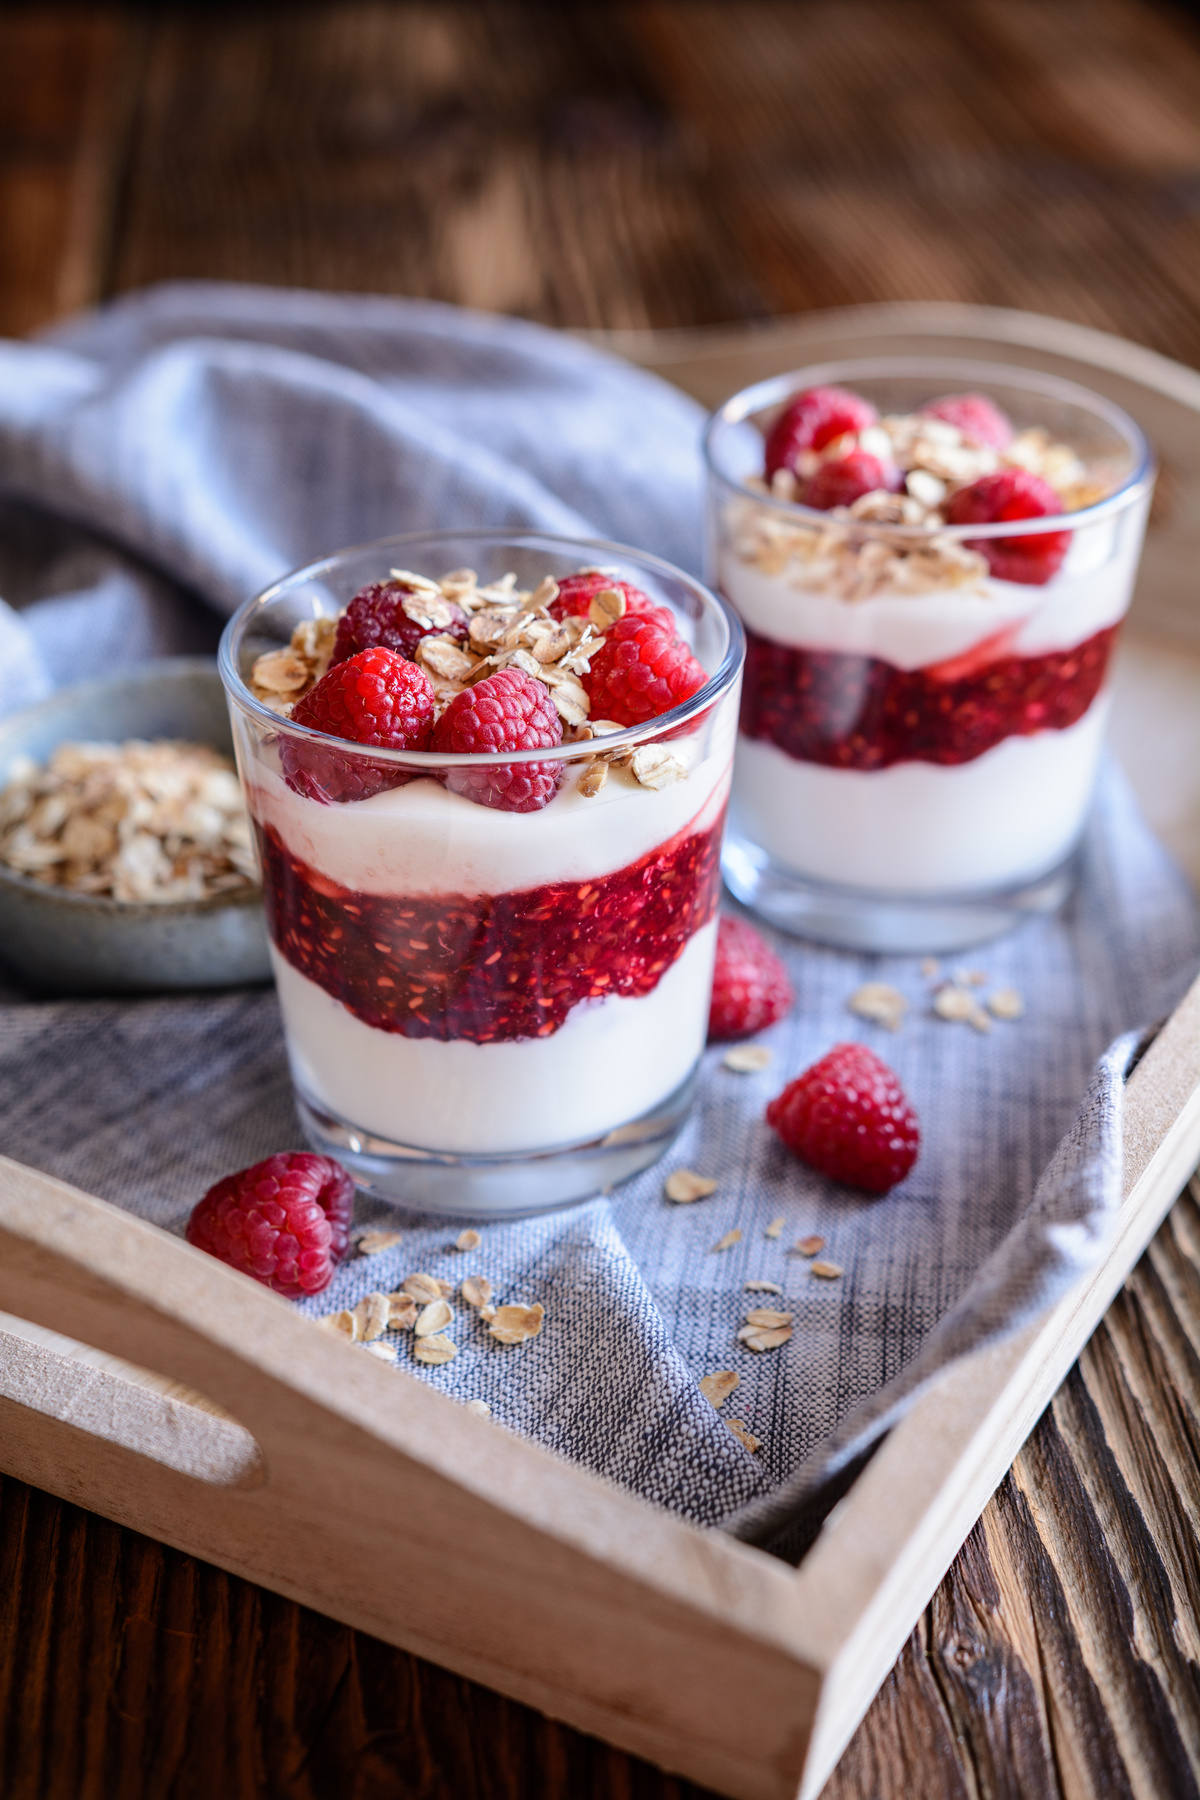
956 461
750 989
500 669
285 1221
848 1116
139 821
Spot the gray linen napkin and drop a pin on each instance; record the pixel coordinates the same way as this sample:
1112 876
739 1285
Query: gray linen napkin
186 446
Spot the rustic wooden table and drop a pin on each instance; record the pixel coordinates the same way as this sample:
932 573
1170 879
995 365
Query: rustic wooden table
663 163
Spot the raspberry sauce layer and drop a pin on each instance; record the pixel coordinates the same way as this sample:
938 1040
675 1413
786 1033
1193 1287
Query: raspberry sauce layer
489 968
859 712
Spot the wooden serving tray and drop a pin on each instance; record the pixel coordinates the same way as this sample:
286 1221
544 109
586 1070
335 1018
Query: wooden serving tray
300 1463
148 1382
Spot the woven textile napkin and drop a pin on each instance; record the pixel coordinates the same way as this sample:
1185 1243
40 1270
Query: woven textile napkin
162 459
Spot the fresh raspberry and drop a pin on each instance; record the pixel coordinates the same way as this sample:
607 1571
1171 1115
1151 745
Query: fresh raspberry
848 1117
376 617
286 1221
979 419
640 671
375 697
750 985
812 420
844 479
576 593
508 711
1012 494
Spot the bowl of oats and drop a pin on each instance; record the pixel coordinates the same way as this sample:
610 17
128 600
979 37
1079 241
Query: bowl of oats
126 860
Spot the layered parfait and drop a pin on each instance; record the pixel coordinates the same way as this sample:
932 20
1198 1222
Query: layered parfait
931 584
494 939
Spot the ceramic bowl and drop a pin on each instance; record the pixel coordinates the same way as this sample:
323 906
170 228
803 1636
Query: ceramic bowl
72 943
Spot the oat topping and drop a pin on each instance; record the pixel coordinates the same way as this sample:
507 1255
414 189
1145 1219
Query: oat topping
729 1240
877 1001
507 626
467 1240
402 1312
718 1387
435 1350
809 1246
515 1324
140 821
747 1059
936 460
744 1435
684 1185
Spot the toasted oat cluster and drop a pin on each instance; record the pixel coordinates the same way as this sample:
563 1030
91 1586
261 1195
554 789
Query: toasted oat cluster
506 627
136 821
929 461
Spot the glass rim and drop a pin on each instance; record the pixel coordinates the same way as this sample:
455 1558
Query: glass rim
775 388
628 738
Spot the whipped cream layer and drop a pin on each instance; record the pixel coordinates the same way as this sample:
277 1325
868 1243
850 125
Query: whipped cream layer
612 1061
421 839
1007 816
913 630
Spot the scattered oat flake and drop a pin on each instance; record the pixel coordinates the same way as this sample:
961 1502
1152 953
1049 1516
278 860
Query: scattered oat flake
684 1185
970 977
385 1352
1006 1003
768 1317
480 1408
729 1240
514 1324
433 1318
930 968
435 1350
341 1324
374 1243
959 1007
747 1059
762 1287
371 1317
809 1246
467 1240
744 1435
774 1229
423 1288
882 1004
760 1337
828 1271
655 767
476 1290
717 1388
402 1312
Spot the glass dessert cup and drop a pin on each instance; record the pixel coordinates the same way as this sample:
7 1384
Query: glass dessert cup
919 739
491 1012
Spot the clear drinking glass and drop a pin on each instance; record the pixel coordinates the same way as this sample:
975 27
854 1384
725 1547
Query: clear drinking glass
491 1012
919 737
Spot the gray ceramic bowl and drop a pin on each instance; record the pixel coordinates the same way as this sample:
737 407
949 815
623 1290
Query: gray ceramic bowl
85 943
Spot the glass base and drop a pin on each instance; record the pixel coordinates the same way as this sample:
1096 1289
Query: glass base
857 919
513 1186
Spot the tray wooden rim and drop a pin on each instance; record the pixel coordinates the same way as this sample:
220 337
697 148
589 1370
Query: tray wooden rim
683 1646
